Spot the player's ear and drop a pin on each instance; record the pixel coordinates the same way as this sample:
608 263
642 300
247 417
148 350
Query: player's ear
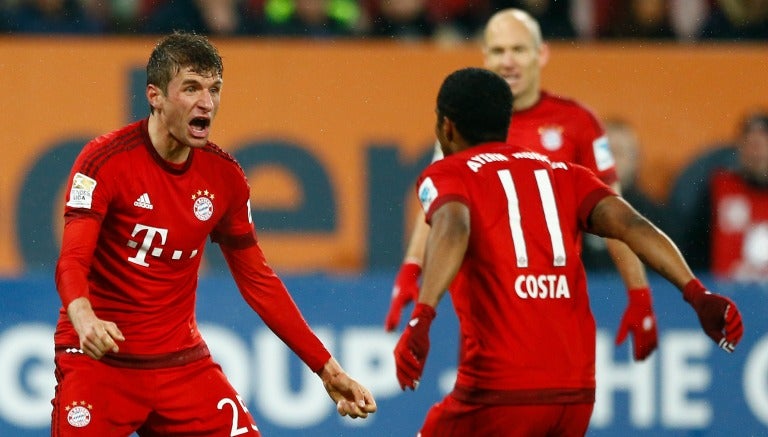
153 96
449 129
543 55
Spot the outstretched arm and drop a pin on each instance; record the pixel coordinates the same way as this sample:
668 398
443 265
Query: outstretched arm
418 242
719 317
629 266
267 295
638 317
406 287
446 245
614 218
352 399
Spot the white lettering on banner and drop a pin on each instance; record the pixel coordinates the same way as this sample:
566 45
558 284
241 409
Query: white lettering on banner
262 372
669 389
26 375
275 397
446 380
368 356
755 380
636 379
682 376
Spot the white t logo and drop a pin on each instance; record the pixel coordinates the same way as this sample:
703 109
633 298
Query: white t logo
141 255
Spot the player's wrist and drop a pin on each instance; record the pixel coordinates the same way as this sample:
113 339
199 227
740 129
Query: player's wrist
639 295
424 312
410 269
78 307
412 260
693 290
330 370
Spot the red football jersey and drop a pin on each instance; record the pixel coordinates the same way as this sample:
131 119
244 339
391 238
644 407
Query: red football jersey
136 226
740 228
521 293
155 219
564 130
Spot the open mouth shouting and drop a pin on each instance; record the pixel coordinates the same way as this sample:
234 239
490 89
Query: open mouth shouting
199 127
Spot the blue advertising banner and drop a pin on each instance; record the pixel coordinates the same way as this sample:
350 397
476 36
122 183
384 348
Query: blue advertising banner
687 387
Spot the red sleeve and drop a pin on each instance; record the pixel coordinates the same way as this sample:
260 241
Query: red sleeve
78 244
267 295
589 191
438 184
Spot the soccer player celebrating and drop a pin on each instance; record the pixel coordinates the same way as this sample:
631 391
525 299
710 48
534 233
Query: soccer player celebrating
561 129
141 203
505 226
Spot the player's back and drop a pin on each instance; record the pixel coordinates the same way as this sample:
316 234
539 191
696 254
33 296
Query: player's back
521 293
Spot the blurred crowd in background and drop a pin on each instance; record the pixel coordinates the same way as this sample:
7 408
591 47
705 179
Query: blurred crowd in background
717 211
438 20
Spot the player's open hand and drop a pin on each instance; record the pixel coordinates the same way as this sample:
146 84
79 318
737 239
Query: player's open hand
97 337
718 315
405 291
413 347
639 319
352 399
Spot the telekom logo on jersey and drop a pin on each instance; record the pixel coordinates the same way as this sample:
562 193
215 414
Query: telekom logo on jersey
145 247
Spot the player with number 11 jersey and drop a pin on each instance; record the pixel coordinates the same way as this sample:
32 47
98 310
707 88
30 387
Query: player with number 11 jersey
509 280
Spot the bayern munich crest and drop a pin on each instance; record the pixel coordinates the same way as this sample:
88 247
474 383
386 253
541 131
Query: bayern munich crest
79 414
551 137
203 206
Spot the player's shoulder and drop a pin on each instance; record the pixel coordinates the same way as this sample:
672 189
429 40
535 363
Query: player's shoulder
217 157
574 167
215 153
552 98
446 164
107 147
129 135
564 102
571 176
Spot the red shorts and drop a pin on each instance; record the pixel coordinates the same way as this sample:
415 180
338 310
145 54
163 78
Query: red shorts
96 399
452 417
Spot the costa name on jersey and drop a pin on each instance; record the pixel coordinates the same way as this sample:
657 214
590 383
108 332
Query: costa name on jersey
542 287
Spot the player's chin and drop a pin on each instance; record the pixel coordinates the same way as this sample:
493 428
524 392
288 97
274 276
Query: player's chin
197 143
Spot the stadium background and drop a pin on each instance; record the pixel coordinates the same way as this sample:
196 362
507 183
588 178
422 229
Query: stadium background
332 135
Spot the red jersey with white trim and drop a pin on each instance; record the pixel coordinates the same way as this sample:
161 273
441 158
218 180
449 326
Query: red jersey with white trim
521 293
564 130
740 228
136 226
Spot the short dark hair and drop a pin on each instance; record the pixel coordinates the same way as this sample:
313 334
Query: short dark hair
180 50
478 102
